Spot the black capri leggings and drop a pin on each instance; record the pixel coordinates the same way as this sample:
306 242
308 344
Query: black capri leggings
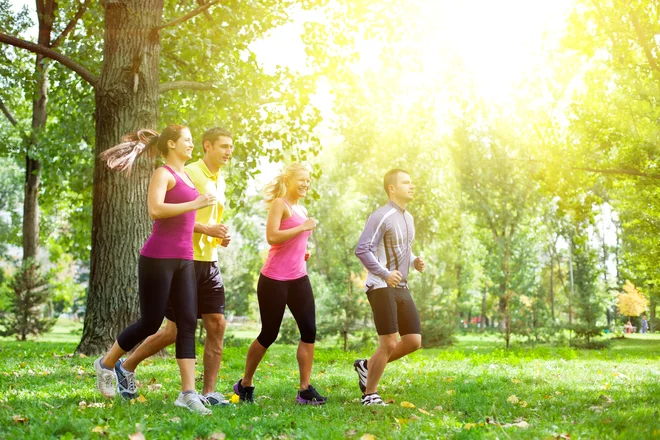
274 296
160 280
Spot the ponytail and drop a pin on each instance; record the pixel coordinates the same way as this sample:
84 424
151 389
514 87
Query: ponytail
277 187
122 157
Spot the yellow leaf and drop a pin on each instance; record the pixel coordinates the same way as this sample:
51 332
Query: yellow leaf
523 404
100 429
235 398
423 411
407 405
515 381
20 419
451 392
141 399
367 437
469 426
512 399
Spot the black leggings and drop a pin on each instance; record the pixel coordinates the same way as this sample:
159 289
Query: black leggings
160 280
274 296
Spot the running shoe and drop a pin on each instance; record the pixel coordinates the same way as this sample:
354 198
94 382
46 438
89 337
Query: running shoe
213 398
310 397
360 366
372 399
125 382
105 379
246 394
192 402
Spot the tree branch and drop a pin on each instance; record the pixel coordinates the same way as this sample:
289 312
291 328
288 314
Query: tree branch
207 14
69 27
188 16
641 36
185 85
8 113
49 53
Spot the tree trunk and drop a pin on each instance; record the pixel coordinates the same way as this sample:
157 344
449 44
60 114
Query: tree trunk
552 286
126 100
482 324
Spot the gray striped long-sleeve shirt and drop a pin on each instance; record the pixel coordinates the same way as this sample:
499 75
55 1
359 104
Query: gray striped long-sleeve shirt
386 245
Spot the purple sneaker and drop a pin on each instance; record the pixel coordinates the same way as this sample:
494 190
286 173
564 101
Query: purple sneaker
310 397
246 394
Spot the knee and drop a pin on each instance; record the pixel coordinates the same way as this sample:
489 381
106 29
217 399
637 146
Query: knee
266 339
415 342
169 333
215 326
388 343
308 334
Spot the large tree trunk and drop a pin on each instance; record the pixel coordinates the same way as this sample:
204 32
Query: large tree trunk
126 100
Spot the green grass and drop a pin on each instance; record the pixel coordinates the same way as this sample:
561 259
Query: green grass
461 392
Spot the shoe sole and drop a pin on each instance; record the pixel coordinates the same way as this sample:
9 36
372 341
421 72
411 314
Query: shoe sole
301 401
356 366
183 405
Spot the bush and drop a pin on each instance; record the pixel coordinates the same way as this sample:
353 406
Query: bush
437 333
29 293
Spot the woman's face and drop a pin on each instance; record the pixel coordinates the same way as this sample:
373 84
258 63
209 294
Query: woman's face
183 147
299 184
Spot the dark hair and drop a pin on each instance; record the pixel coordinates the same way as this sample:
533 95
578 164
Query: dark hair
121 157
391 178
215 133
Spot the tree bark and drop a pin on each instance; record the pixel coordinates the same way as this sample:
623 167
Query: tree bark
126 100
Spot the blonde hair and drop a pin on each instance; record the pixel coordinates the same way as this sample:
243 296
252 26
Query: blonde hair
122 157
277 187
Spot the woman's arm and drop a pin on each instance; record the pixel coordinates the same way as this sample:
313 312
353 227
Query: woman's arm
273 233
161 181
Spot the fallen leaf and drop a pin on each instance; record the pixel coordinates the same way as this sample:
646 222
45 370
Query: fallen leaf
155 386
522 424
389 401
407 405
235 398
451 392
152 380
512 399
469 426
175 419
367 437
523 404
137 436
100 429
141 399
515 381
606 399
218 436
413 417
437 408
350 432
20 419
423 411
82 355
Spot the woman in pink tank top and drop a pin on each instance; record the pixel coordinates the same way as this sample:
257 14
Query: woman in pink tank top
283 282
165 271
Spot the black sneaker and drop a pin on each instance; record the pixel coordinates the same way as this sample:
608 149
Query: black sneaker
310 397
246 394
360 366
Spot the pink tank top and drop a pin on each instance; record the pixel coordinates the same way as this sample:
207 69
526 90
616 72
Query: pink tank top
286 260
172 237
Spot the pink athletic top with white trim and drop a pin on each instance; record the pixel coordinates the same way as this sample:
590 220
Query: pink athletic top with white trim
172 237
286 260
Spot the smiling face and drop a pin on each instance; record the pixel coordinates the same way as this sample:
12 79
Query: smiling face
218 152
298 184
183 147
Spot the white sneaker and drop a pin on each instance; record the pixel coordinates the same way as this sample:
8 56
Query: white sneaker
213 398
105 379
372 399
192 402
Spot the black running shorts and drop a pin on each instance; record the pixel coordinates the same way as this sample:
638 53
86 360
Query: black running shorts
394 311
210 291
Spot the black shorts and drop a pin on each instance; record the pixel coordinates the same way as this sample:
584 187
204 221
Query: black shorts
210 291
394 311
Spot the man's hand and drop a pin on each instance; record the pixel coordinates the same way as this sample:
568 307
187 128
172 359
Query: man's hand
394 278
419 264
217 231
225 241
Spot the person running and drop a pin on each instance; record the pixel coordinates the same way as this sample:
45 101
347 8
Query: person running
283 282
208 233
385 250
165 268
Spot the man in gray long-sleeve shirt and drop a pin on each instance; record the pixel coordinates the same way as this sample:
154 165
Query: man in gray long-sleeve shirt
385 249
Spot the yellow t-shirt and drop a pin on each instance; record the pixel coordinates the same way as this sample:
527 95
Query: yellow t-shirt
204 246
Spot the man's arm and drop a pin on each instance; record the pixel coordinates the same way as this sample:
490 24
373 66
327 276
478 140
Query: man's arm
371 237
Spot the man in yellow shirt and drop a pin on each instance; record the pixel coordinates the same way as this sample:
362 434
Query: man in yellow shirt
208 234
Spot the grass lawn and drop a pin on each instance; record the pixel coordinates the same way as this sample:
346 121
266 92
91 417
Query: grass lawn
472 390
